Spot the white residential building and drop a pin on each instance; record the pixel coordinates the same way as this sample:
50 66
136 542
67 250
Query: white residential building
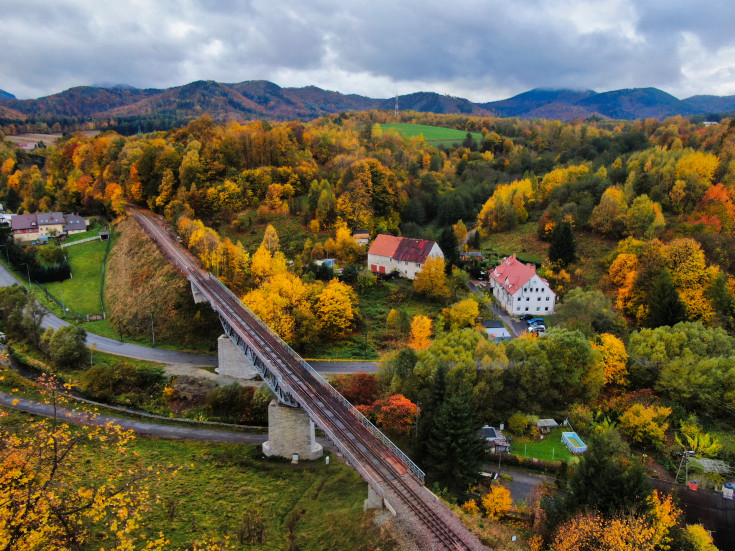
520 290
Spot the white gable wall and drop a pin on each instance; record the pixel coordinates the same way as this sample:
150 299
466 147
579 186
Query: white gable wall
535 297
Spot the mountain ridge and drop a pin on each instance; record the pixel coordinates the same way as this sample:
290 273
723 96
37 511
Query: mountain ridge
264 99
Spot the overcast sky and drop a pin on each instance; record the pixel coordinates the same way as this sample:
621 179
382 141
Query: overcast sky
478 49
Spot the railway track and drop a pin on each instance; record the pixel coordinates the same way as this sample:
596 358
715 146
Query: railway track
374 461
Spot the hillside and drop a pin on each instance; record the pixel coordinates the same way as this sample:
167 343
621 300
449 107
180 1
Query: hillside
259 99
6 95
140 281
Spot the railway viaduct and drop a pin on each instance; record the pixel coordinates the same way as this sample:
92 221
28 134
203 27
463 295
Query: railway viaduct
305 399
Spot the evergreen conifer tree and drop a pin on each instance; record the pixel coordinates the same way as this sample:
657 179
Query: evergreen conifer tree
562 248
455 449
450 247
664 305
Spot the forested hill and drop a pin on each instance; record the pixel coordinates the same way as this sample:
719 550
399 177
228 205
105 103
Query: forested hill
265 100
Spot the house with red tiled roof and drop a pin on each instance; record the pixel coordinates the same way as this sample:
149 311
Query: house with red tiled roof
520 290
401 254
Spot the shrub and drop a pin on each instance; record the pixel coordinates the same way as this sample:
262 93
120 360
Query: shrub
518 423
109 383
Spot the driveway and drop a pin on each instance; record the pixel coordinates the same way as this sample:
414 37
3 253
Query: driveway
516 327
523 483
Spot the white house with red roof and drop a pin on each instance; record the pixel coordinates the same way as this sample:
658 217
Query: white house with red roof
520 290
402 254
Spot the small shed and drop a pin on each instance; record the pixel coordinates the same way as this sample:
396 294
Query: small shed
496 331
362 237
104 236
326 262
545 426
495 439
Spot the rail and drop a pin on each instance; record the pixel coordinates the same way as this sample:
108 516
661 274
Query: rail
333 391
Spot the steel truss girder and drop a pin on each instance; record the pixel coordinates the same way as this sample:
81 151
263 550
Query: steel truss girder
270 376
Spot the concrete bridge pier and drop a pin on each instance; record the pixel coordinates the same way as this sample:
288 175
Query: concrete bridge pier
373 501
290 431
231 361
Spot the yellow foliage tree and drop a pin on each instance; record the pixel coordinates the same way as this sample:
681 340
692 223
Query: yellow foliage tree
460 231
276 301
420 332
431 281
645 424
614 359
336 309
462 314
497 502
47 499
470 508
265 265
699 538
270 239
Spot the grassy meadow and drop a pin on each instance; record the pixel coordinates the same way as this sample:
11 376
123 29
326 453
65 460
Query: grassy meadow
434 135
548 449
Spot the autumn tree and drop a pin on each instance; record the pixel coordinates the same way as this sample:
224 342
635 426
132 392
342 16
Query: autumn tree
614 358
497 502
336 310
420 338
396 414
664 305
431 281
646 425
270 239
461 314
644 218
49 500
449 245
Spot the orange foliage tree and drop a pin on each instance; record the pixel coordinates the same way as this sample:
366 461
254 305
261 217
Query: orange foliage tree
497 502
614 358
420 332
431 281
396 414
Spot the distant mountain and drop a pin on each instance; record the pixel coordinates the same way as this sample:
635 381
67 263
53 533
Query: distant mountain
710 104
535 100
113 86
6 95
262 99
635 103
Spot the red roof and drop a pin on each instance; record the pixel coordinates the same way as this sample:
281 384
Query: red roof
401 248
512 274
385 245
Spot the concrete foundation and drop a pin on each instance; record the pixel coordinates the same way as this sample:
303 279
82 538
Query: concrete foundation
231 361
290 431
197 294
373 501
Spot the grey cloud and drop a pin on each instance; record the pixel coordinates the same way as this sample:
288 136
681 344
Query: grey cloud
50 45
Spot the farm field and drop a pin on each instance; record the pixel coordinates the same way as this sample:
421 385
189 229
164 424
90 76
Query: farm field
221 488
434 135
47 139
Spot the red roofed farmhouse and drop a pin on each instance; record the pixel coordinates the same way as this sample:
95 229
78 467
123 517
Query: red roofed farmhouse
520 290
404 255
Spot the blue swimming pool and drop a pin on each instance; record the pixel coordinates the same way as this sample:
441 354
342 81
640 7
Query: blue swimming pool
573 442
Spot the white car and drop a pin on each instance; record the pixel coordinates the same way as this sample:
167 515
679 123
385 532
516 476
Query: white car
537 329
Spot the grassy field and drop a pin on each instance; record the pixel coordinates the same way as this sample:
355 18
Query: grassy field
550 448
434 135
219 487
82 291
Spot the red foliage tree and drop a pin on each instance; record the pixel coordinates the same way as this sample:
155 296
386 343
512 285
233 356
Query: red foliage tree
396 413
358 388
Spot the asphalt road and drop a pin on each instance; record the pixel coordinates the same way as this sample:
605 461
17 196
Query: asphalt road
523 483
113 346
139 427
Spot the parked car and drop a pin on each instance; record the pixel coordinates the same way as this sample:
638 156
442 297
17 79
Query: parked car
538 329
526 317
536 321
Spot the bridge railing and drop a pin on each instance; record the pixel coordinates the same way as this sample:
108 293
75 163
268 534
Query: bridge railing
333 391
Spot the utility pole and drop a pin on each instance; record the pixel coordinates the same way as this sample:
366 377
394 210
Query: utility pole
28 271
153 333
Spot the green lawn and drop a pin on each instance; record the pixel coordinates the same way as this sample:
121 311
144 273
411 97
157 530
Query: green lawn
219 487
550 448
433 135
82 291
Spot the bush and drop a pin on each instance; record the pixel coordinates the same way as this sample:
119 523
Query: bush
518 423
109 383
239 404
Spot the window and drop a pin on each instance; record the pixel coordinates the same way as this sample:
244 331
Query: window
527 299
547 308
519 309
526 308
547 299
538 309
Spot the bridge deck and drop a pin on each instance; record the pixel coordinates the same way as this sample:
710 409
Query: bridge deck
436 526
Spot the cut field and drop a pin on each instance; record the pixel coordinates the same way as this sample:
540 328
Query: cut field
221 489
551 448
434 135
82 292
